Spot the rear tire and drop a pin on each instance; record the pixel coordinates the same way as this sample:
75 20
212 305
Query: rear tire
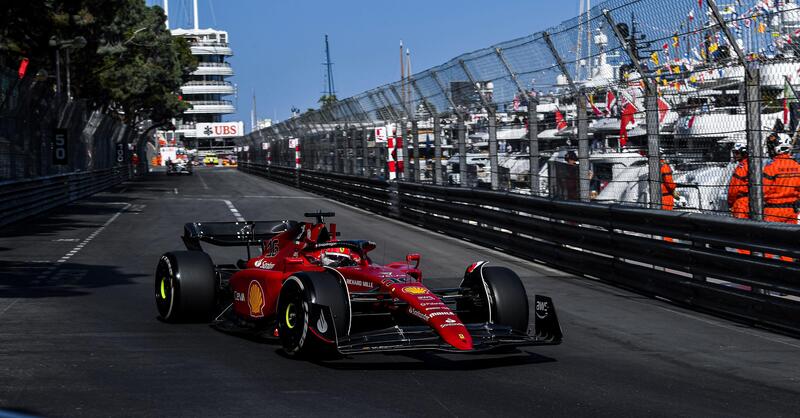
185 286
496 295
299 294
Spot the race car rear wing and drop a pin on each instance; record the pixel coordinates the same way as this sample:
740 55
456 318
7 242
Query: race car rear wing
232 234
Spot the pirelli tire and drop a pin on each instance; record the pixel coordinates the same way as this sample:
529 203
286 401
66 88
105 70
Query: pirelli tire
494 294
185 286
313 313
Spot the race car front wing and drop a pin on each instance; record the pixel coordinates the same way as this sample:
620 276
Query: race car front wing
485 336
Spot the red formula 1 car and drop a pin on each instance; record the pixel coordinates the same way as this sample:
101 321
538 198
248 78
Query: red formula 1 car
324 296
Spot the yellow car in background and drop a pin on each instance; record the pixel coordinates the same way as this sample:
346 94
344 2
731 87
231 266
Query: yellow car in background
211 159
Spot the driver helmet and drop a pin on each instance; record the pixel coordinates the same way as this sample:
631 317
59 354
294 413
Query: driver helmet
779 143
336 258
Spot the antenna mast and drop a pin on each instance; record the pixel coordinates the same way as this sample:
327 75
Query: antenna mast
331 91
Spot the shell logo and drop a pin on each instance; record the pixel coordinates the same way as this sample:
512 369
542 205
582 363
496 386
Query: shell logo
415 290
255 299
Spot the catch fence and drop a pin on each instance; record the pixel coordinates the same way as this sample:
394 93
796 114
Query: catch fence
633 102
43 134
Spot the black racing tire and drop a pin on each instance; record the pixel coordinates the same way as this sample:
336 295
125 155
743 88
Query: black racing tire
185 286
497 295
299 293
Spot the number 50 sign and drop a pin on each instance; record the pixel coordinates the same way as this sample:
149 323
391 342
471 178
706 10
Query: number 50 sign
60 147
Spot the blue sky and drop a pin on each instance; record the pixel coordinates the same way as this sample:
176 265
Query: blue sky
278 45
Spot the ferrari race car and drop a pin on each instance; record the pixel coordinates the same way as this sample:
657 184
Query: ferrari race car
321 296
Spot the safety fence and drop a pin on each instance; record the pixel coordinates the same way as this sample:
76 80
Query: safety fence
745 270
634 101
25 198
43 134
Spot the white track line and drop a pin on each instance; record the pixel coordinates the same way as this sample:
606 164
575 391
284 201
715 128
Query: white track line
234 211
205 186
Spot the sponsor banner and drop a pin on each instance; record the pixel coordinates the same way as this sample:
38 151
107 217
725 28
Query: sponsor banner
380 134
219 130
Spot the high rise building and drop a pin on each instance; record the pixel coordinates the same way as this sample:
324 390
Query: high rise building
208 89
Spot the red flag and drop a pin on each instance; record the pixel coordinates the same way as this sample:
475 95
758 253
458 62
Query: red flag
23 67
627 118
561 123
785 111
663 109
595 110
611 101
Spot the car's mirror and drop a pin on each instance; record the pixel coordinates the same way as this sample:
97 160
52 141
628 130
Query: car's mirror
413 258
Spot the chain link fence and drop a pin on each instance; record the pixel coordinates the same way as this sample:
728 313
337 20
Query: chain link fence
43 135
635 102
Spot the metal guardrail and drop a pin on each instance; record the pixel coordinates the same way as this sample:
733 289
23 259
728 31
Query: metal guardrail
26 198
739 269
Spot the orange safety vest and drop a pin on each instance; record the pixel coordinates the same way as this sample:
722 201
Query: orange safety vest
667 187
738 195
781 189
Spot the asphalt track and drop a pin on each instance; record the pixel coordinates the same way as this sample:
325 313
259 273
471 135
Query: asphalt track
80 337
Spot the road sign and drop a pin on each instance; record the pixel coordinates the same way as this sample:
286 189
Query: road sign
60 147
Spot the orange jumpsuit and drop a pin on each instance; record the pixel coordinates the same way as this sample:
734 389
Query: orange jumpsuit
667 187
738 196
781 189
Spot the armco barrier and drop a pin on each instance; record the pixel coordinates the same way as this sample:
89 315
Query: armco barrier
22 199
709 262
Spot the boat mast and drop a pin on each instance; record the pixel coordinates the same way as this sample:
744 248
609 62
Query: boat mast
166 13
196 21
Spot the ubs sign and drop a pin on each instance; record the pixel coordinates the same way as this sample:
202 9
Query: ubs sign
219 130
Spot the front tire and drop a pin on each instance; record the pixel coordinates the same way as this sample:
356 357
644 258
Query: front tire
495 294
185 286
302 327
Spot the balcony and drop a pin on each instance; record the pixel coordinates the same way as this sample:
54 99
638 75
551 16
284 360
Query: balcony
207 87
211 48
213 68
211 106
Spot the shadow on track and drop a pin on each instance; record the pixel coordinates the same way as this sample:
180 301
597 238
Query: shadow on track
431 361
26 280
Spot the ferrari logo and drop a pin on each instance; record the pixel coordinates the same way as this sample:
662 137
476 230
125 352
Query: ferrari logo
415 290
255 299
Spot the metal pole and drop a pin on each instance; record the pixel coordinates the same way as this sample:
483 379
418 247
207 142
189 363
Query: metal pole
417 165
755 148
69 92
491 111
462 151
58 73
493 160
533 145
334 154
583 147
365 152
404 148
651 118
533 127
653 149
437 150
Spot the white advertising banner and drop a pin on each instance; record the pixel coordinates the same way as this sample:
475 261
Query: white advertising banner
219 130
380 134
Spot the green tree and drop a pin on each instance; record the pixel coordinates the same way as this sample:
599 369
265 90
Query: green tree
131 66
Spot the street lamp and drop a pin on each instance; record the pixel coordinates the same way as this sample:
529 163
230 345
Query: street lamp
77 42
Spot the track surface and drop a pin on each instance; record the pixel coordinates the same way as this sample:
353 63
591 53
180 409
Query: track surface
81 337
